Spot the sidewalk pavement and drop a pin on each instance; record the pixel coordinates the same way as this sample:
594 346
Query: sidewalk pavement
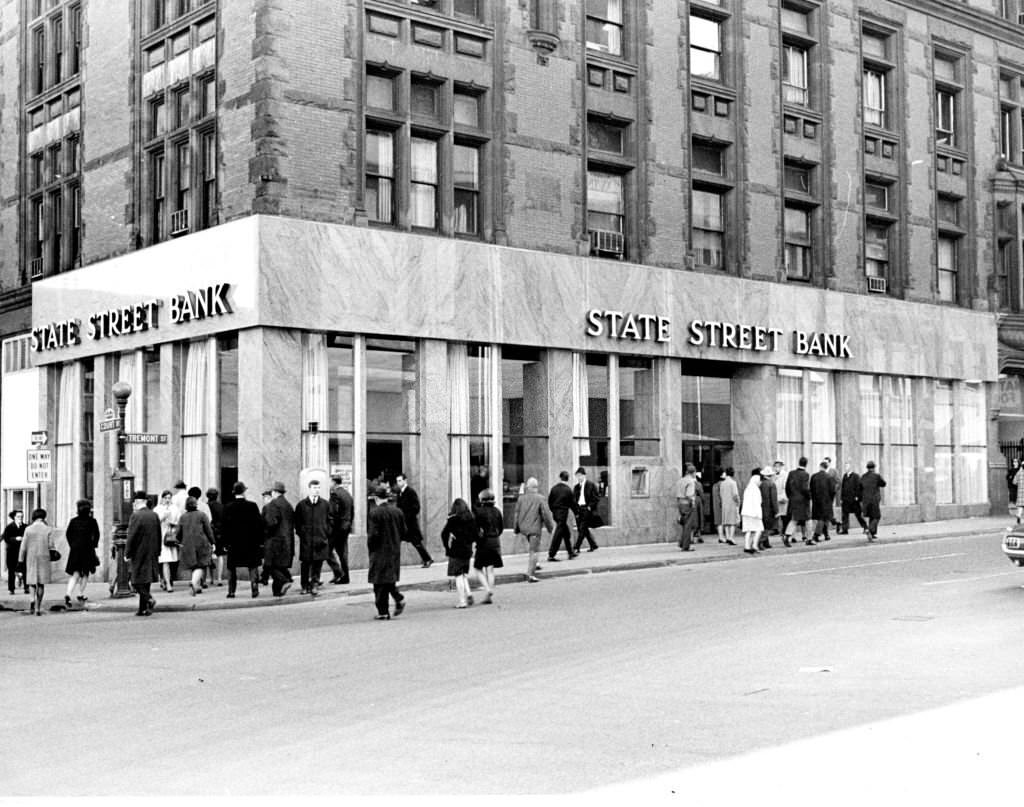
604 559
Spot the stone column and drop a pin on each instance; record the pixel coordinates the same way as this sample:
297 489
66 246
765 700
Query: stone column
558 399
434 465
166 466
535 421
269 419
924 460
754 390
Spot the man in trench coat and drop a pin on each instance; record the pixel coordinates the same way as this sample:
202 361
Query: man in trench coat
384 542
142 550
279 550
313 526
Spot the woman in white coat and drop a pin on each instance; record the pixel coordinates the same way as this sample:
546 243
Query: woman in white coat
750 512
169 517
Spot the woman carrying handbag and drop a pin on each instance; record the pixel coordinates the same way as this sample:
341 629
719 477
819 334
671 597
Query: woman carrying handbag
37 553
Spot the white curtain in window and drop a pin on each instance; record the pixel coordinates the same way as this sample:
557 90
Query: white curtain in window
870 412
943 414
901 473
315 445
193 422
580 406
971 466
874 97
789 408
604 193
796 72
823 407
458 408
69 412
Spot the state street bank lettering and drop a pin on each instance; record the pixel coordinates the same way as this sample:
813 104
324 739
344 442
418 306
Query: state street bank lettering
193 304
709 333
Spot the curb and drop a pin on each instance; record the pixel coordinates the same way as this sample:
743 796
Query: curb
127 604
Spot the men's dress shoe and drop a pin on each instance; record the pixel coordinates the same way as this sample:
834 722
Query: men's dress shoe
400 606
785 543
537 568
688 549
142 613
231 595
550 560
67 602
532 579
469 599
383 616
427 564
335 581
285 587
151 604
700 540
730 543
314 593
574 555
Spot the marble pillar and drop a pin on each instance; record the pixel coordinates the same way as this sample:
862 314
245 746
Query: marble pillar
924 417
269 417
558 400
753 419
434 442
535 422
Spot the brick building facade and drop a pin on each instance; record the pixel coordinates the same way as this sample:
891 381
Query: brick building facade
420 205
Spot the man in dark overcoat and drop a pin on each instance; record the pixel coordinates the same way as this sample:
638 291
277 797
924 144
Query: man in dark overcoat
279 550
341 525
871 484
560 503
142 549
384 538
769 506
798 495
823 493
585 497
849 499
313 526
241 532
409 503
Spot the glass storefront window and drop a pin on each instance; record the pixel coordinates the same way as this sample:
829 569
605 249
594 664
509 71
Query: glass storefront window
470 369
805 409
888 434
391 409
707 408
943 411
68 412
971 469
789 414
638 411
194 426
227 411
523 423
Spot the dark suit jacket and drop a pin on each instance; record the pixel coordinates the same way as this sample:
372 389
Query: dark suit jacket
589 494
823 492
798 492
849 492
143 546
409 503
341 511
560 501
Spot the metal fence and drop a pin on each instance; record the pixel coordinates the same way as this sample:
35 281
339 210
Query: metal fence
1012 451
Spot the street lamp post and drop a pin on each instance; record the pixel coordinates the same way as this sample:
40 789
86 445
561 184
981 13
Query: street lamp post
121 499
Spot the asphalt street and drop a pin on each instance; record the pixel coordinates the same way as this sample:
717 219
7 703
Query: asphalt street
801 678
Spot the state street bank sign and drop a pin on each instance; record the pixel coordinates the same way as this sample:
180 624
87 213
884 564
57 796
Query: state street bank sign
190 305
624 325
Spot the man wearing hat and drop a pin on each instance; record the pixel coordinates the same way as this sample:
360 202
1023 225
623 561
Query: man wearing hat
871 484
341 526
279 550
142 550
584 494
823 493
242 534
384 536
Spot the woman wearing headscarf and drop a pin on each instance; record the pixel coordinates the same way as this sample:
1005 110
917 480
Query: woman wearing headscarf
458 536
83 536
195 535
489 524
36 544
750 512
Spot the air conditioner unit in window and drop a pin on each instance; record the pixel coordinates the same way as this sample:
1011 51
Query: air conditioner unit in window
36 267
179 222
607 242
877 284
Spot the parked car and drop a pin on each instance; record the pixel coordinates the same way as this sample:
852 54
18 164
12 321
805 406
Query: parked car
1013 544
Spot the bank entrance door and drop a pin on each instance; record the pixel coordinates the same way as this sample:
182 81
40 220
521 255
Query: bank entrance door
707 424
709 457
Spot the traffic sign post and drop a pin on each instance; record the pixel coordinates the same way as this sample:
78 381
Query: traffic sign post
40 467
111 425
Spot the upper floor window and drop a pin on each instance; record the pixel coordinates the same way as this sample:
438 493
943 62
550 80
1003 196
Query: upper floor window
604 26
948 262
794 74
380 176
708 227
799 240
606 206
1010 119
799 41
162 12
878 67
947 100
705 47
55 47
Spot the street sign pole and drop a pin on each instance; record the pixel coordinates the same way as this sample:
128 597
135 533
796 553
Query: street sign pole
121 500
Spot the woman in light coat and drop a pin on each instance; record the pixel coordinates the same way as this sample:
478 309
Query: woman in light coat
169 516
36 544
751 513
730 504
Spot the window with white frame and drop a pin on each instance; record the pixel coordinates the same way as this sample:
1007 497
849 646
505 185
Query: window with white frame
1010 110
708 227
705 47
794 74
948 94
887 433
943 411
805 409
799 241
605 26
948 267
972 464
878 67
